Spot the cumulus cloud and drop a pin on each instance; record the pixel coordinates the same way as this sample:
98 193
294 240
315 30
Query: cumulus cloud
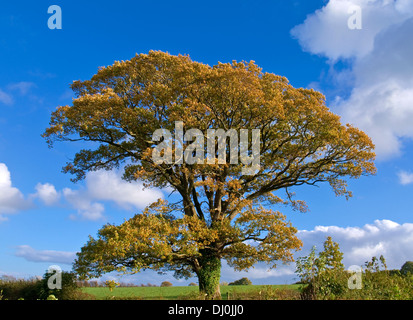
84 204
405 177
11 199
22 87
5 98
33 255
47 193
89 200
326 32
108 186
380 101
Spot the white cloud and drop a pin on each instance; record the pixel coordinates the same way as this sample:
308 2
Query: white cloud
47 193
5 98
100 187
23 87
369 250
11 199
108 186
326 31
405 177
381 99
86 208
381 102
33 255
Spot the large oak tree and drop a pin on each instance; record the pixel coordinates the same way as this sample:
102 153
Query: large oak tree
222 213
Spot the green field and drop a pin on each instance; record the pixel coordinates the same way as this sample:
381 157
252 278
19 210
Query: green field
191 292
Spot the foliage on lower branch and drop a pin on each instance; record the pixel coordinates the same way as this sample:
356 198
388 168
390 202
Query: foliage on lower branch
160 241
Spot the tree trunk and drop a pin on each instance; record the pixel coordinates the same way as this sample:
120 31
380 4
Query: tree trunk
209 274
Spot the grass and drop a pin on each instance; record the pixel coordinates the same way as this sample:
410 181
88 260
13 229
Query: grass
256 292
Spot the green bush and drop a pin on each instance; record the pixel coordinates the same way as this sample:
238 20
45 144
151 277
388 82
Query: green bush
329 284
407 268
378 283
324 277
69 289
14 289
241 282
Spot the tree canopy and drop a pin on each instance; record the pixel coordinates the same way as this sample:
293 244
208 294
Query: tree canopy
222 212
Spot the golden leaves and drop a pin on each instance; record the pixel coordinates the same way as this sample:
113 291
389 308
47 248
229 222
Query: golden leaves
121 106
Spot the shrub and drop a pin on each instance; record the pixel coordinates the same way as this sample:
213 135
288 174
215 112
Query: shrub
35 289
69 290
383 285
166 284
241 282
378 283
407 268
192 284
14 289
327 285
324 277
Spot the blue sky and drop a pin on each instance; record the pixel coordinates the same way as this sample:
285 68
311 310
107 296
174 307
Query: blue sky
366 75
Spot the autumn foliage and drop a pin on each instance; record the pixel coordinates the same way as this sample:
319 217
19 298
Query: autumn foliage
221 213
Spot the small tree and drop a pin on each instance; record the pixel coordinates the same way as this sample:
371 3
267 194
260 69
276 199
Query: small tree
407 268
375 264
306 267
241 282
324 275
111 284
331 257
166 284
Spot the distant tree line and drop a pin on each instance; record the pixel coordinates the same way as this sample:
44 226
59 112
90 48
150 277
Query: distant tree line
95 283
